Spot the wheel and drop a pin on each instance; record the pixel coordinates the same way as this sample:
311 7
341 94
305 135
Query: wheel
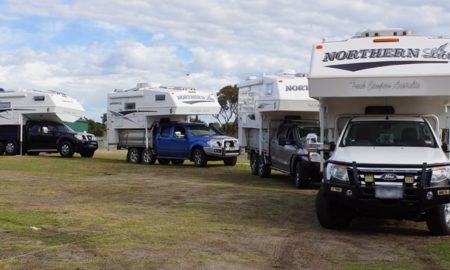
331 215
134 155
148 157
199 157
163 161
87 154
66 149
2 148
254 163
264 170
300 175
177 161
231 161
438 220
11 148
33 153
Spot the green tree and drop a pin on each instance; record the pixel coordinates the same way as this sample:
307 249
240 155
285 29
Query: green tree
98 129
227 117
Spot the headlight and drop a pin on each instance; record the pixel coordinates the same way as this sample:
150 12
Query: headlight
79 137
338 172
440 174
214 143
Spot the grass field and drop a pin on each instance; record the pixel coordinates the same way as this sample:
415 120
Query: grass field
104 213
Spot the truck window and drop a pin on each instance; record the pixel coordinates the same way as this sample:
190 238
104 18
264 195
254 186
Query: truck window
34 130
165 131
201 130
389 133
290 137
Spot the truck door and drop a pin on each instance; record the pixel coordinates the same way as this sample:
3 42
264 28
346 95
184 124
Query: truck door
49 136
33 134
276 145
180 142
163 140
284 152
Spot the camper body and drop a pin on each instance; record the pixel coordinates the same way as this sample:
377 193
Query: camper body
384 103
34 121
278 126
151 122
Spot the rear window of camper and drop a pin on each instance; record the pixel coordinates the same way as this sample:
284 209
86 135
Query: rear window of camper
160 97
39 98
130 106
5 105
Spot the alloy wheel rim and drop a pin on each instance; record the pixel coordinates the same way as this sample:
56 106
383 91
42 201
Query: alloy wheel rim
197 157
146 157
9 147
65 149
133 155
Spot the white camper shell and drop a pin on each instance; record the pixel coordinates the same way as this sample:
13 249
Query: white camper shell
138 108
268 108
19 105
381 79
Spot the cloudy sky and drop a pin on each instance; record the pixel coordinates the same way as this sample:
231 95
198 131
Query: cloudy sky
87 48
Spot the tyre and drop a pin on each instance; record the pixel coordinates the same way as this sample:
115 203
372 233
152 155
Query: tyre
254 163
87 154
11 148
438 220
332 215
231 161
148 157
134 155
2 148
66 149
199 157
264 170
300 175
177 161
163 161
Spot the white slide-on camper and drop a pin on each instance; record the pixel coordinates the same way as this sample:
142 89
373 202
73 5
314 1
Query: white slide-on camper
27 118
151 121
138 108
384 103
278 124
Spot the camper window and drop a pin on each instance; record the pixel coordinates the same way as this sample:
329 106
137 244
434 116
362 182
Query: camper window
160 97
130 106
39 98
5 105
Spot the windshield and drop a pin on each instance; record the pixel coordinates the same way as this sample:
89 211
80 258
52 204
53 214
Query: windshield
200 130
388 133
64 128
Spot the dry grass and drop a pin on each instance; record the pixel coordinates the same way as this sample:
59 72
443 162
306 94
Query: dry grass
103 213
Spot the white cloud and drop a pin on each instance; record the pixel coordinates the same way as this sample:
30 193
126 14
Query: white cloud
227 40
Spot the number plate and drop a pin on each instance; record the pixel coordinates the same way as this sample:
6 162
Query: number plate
388 192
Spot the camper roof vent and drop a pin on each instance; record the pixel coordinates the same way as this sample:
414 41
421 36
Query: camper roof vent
380 110
384 33
251 78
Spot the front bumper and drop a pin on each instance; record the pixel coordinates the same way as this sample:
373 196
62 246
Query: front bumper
363 199
222 152
87 146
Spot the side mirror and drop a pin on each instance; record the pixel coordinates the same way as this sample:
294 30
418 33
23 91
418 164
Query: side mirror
312 138
45 130
445 148
282 140
179 135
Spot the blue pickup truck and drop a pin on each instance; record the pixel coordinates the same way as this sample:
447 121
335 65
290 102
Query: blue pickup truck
176 142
